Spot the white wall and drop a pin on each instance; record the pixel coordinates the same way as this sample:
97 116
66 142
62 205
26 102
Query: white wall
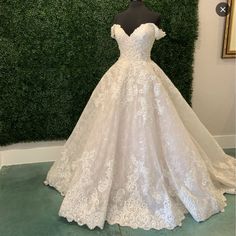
214 78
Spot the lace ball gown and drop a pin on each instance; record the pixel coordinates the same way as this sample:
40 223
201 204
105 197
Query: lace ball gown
138 155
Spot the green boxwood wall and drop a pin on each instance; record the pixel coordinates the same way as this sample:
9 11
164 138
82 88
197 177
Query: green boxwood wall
54 52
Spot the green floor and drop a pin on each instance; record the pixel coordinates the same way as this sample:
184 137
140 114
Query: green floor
28 207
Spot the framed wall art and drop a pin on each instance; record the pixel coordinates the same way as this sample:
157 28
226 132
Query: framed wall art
229 42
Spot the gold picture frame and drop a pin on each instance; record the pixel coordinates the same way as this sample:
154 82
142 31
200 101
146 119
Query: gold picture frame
229 42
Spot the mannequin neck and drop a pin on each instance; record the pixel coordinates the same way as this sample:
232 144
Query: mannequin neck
136 3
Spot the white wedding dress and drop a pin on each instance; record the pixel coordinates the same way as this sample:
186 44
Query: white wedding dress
139 156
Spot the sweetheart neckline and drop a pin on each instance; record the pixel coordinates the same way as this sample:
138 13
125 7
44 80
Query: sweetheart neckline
129 36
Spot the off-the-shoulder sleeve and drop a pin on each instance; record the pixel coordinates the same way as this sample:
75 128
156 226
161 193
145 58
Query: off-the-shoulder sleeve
113 31
159 33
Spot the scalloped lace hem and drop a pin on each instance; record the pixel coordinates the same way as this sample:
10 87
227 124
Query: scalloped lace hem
164 226
120 223
55 187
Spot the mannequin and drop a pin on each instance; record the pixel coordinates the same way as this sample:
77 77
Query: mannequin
136 14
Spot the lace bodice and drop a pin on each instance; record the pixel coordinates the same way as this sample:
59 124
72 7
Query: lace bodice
138 45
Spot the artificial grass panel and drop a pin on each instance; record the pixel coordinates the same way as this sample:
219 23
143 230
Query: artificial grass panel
53 54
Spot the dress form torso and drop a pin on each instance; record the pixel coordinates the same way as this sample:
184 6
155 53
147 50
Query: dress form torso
136 14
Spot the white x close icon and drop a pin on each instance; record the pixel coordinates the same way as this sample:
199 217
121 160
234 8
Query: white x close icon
222 9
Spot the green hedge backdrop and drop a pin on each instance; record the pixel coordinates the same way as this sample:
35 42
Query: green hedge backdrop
54 52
